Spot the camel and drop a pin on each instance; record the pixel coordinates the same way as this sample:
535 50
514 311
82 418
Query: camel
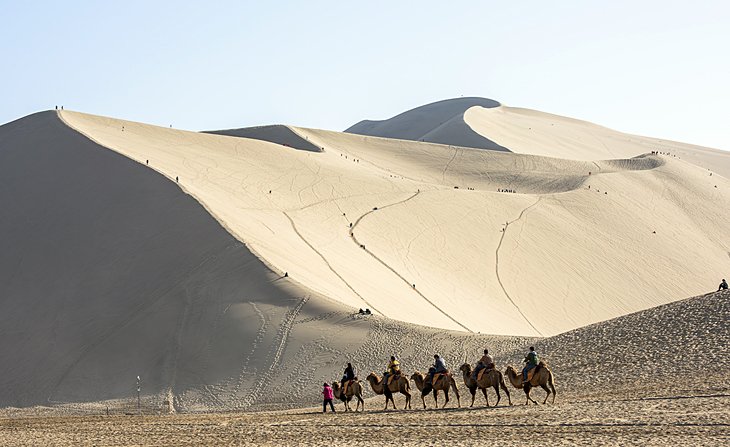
354 389
490 379
398 385
543 377
443 383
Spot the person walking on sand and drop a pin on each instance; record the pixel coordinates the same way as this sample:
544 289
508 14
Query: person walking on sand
723 285
328 396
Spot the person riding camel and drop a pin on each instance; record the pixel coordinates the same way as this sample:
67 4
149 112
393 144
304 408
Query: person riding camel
392 369
531 361
723 285
439 366
348 375
485 362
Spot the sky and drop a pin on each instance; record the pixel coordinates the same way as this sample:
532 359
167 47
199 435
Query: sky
655 68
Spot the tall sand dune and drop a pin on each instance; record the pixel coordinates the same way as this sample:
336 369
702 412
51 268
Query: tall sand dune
582 233
440 122
227 270
487 124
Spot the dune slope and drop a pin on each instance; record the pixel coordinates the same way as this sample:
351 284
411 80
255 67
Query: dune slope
418 232
440 122
109 271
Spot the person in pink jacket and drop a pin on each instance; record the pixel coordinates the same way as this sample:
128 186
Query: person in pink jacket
328 396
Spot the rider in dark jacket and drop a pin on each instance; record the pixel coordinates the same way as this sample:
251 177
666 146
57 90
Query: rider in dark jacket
349 375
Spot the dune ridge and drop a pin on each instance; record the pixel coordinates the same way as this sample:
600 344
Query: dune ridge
294 208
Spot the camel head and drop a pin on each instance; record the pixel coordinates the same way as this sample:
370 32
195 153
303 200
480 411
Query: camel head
416 376
372 377
335 386
466 368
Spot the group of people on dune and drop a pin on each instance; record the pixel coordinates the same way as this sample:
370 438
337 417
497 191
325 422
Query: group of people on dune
393 372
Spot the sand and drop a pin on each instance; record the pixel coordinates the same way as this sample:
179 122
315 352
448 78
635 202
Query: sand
614 388
223 269
577 231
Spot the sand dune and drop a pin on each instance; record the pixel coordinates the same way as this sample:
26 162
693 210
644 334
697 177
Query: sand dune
226 270
440 122
583 249
109 271
279 134
487 124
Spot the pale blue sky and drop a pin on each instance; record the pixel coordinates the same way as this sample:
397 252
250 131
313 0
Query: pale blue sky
657 68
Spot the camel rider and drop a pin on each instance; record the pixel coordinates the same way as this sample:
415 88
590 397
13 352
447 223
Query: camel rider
485 362
531 361
439 366
392 369
348 375
723 285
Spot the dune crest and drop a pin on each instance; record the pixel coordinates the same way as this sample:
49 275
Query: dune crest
434 242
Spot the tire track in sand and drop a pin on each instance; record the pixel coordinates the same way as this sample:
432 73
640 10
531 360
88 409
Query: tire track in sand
496 266
374 256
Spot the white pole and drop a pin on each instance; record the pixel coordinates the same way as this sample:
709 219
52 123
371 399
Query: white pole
139 402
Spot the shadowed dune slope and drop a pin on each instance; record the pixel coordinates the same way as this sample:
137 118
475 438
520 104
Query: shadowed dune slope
275 133
439 122
109 271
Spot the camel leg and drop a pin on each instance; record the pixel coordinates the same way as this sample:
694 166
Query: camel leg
456 391
408 400
484 391
504 387
473 392
496 390
424 401
528 388
446 393
544 387
552 386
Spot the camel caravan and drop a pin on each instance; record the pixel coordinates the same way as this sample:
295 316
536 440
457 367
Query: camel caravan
485 375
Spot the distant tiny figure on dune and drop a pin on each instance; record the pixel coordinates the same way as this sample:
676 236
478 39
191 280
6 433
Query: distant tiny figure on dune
177 179
286 274
148 162
723 285
367 312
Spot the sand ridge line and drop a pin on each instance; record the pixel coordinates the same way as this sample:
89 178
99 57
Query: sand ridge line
294 227
198 199
446 168
496 265
356 241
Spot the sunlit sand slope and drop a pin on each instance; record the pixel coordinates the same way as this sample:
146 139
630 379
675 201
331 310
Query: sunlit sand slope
432 240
